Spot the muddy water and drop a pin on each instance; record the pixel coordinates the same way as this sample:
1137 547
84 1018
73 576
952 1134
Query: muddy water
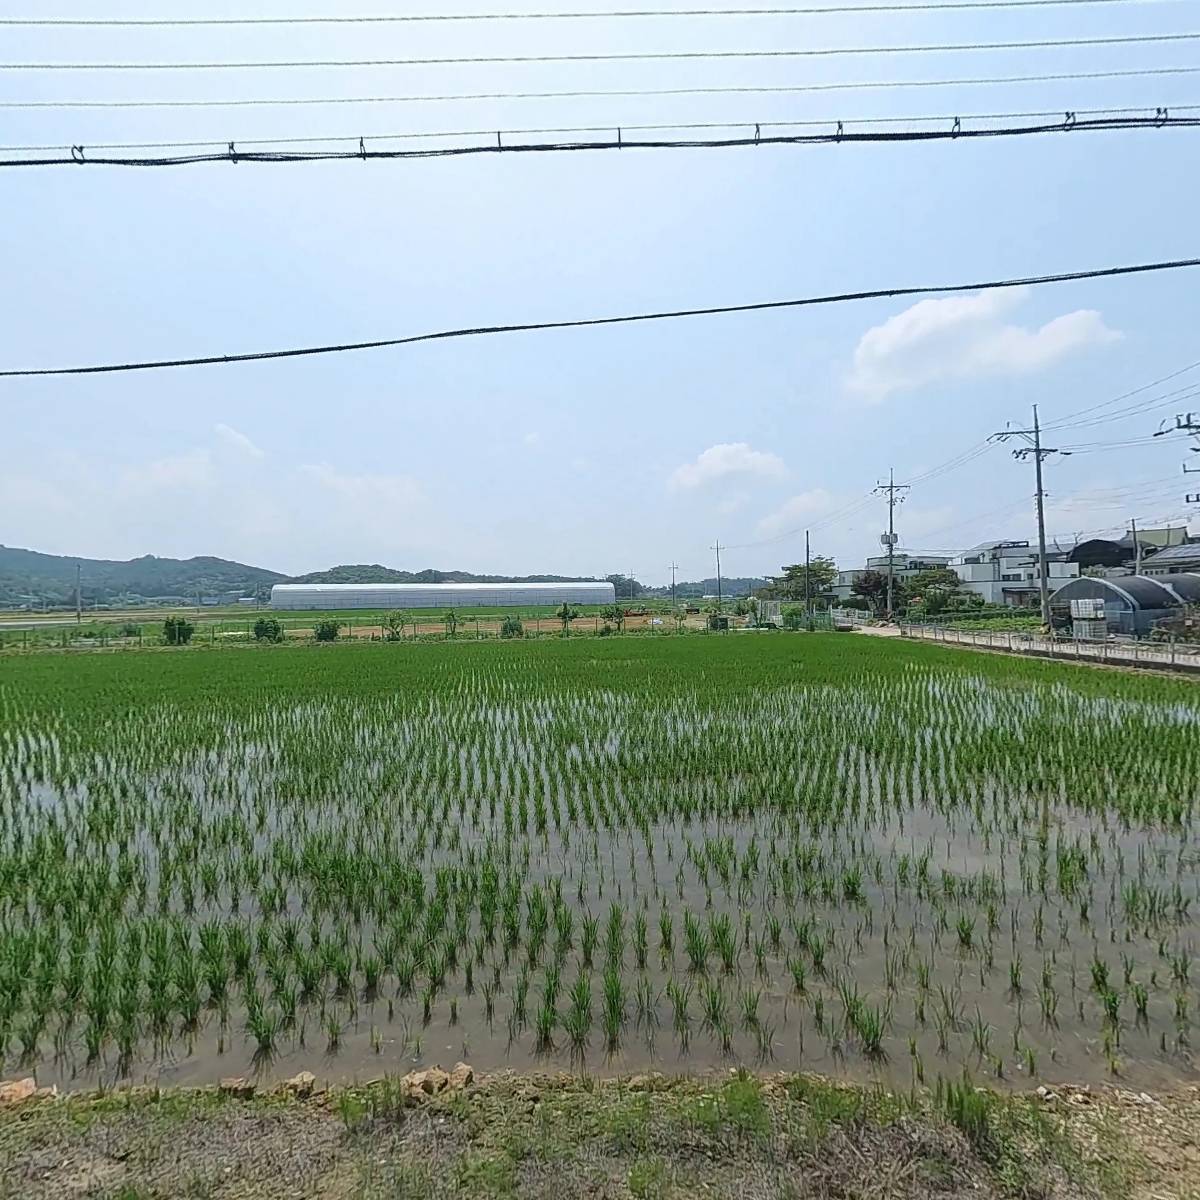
927 852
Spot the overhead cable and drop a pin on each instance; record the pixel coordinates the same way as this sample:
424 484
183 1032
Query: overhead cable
628 319
1155 113
1068 419
618 93
606 56
81 156
569 15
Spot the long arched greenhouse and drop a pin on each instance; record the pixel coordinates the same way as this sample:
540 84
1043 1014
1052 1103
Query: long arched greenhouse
336 596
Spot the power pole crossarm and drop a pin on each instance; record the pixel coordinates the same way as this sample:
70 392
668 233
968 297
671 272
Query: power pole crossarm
1039 453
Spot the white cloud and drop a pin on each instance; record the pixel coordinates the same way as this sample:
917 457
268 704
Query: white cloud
795 511
532 438
963 337
237 440
724 461
382 498
188 472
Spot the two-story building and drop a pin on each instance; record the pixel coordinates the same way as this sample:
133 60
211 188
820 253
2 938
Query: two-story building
1006 572
905 564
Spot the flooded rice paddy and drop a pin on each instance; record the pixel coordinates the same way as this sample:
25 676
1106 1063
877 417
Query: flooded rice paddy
815 852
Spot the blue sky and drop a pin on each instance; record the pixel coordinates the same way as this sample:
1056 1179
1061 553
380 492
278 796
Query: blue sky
595 450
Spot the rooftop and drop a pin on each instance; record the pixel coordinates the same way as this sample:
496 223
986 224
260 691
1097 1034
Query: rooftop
1176 554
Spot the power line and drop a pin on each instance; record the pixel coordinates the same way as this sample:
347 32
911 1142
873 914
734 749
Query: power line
1155 113
1164 400
618 93
589 322
620 56
80 157
1068 418
570 15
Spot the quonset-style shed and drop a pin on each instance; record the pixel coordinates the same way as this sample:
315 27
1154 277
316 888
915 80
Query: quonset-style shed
1132 603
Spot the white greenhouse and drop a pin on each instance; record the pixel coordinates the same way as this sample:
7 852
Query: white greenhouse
336 596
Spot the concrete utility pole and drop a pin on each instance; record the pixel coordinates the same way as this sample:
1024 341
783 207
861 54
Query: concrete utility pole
674 568
1137 547
717 548
78 594
807 570
1040 453
893 490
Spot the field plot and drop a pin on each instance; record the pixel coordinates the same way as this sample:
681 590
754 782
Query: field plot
840 854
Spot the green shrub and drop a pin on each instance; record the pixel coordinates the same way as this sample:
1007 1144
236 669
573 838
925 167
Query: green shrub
177 631
512 628
327 631
268 629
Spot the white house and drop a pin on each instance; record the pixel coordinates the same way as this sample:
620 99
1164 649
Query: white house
1007 572
906 563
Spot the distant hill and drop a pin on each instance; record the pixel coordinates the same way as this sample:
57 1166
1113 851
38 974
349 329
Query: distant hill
29 577
376 574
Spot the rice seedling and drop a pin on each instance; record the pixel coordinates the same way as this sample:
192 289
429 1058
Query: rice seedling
613 1014
303 843
577 1020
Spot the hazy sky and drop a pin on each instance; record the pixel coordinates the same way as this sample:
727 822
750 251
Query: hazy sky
589 451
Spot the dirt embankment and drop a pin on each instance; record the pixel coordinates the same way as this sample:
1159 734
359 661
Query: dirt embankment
736 1136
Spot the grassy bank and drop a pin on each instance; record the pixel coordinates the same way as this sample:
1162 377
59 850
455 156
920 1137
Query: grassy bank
563 1136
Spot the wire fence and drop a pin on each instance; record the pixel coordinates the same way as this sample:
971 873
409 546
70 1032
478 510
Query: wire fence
1172 656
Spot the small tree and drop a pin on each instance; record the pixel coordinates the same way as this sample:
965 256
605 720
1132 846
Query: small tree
393 625
566 615
872 586
451 622
512 628
177 631
268 629
680 615
327 631
616 614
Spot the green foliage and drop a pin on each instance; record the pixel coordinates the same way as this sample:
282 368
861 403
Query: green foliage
393 625
616 614
968 1107
649 1179
327 631
177 631
820 575
744 1107
268 629
872 587
565 615
511 627
450 621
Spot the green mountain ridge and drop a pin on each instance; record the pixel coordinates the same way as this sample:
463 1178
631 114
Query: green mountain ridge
30 578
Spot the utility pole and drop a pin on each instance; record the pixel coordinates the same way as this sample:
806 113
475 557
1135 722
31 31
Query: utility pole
807 570
1137 547
893 490
1188 423
717 548
1040 453
78 594
674 568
